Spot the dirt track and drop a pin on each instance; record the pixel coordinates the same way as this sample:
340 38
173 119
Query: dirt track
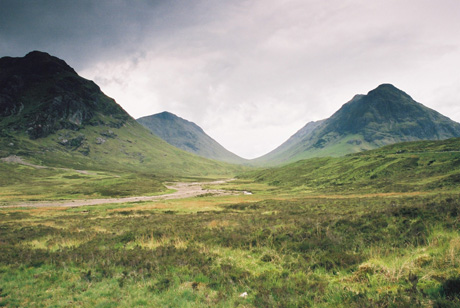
183 190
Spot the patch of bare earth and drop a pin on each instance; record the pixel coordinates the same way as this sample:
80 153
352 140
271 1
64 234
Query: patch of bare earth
182 191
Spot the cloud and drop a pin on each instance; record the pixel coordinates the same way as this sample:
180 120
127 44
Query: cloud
250 72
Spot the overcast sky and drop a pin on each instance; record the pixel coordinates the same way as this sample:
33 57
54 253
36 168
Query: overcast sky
250 73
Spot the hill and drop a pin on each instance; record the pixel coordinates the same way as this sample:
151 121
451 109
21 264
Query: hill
386 115
51 116
187 136
403 167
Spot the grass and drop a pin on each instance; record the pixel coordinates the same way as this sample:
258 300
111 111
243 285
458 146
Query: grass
391 242
25 183
408 167
369 251
130 148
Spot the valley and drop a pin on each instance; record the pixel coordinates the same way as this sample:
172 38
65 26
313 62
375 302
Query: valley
299 239
96 210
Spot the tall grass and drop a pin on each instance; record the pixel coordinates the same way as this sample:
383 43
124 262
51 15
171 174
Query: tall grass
323 252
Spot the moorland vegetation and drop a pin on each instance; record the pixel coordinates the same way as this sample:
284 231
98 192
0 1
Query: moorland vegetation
293 243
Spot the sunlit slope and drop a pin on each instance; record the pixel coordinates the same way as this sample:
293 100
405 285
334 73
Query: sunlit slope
386 115
402 167
51 116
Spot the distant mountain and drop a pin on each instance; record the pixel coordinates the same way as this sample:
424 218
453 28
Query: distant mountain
386 115
187 136
52 116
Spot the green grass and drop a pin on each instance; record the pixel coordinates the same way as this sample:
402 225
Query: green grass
25 183
408 167
367 252
131 162
130 148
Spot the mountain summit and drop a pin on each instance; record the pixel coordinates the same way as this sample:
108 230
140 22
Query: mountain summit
386 115
187 136
41 94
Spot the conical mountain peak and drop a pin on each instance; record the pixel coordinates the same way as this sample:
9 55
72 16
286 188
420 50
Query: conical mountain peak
386 87
386 115
387 92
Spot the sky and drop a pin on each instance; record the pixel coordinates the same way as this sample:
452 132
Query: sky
249 72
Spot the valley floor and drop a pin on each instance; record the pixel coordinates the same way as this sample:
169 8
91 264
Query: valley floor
180 190
273 248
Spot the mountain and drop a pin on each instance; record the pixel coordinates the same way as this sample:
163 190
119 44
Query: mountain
187 136
386 115
51 116
41 94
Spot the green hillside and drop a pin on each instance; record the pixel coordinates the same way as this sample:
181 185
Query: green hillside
128 148
50 116
187 136
403 167
386 115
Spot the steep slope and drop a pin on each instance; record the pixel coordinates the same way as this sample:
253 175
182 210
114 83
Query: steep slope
51 116
187 136
386 115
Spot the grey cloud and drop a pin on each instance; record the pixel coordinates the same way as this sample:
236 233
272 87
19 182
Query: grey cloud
250 72
86 31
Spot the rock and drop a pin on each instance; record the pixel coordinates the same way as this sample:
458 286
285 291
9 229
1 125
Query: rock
100 140
74 142
109 134
64 142
354 142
